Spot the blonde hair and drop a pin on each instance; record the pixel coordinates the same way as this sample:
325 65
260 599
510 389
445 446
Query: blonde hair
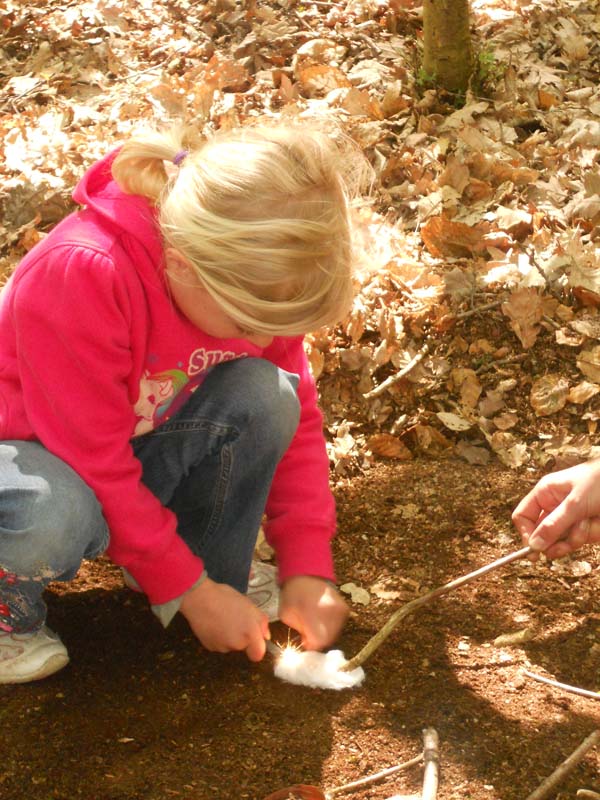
262 213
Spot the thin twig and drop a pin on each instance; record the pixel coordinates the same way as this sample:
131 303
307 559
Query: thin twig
508 360
423 352
430 774
349 787
560 773
588 794
552 322
395 378
133 74
564 686
377 640
375 51
477 310
431 755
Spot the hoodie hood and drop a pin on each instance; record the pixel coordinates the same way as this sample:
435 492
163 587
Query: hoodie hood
130 213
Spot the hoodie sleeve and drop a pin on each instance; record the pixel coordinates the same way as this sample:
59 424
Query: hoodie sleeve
72 317
300 509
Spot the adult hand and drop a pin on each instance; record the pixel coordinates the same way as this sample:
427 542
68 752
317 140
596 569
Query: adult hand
225 620
314 608
562 512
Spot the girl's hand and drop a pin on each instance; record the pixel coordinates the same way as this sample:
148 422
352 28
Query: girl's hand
562 512
314 608
225 620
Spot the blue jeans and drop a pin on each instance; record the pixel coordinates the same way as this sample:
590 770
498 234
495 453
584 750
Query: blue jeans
212 463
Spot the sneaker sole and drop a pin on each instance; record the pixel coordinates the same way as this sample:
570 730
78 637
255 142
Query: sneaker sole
49 667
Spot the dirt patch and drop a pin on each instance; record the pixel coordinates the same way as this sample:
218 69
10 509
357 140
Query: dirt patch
149 715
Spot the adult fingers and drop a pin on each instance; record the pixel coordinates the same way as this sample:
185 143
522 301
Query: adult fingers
558 550
586 531
556 524
527 513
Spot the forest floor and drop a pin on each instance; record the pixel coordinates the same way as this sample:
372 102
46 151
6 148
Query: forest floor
470 365
146 714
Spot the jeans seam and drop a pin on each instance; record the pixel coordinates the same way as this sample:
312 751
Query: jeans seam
184 426
221 492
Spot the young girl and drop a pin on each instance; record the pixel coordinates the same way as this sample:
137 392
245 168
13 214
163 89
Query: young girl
155 398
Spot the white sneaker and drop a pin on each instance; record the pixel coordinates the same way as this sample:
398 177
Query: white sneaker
263 589
28 657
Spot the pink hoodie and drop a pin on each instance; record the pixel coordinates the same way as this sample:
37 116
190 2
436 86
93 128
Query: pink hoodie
93 353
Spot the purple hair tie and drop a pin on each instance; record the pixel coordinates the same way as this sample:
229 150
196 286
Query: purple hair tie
177 159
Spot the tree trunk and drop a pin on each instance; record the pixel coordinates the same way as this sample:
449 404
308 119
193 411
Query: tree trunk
448 55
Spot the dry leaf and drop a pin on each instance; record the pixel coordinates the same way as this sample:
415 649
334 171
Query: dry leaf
481 346
393 101
380 591
506 421
316 359
514 220
227 74
430 439
568 338
388 446
459 283
581 568
549 394
317 51
583 392
583 133
467 383
406 511
358 102
587 326
509 450
546 100
443 237
472 454
262 549
453 421
491 403
587 297
455 175
524 309
320 79
588 362
357 594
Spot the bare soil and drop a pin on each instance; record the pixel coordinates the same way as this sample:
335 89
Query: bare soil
146 714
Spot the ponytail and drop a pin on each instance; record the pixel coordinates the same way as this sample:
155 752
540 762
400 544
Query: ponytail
141 166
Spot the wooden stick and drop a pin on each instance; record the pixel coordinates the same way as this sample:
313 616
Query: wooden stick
348 787
476 310
588 794
395 378
431 757
431 754
564 686
377 640
561 772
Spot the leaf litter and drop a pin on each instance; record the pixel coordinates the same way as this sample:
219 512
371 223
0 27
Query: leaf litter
478 289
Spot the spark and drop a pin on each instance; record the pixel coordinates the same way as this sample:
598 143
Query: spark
290 656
